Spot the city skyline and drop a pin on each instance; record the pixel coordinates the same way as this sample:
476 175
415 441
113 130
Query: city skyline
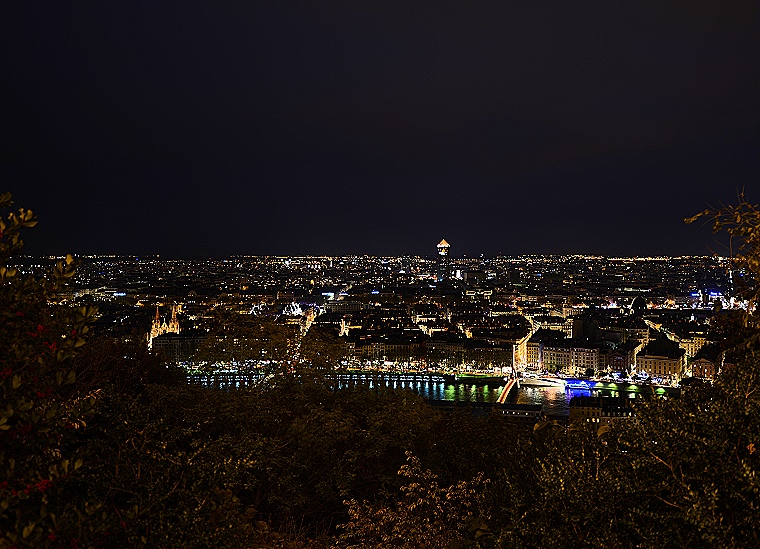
337 130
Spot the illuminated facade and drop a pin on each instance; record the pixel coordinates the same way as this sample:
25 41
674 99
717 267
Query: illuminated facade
662 359
691 342
703 368
159 328
562 356
444 267
604 410
548 322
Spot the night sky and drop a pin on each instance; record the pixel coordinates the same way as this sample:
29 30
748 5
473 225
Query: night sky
218 128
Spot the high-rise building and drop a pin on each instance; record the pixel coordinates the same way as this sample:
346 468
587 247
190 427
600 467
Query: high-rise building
444 268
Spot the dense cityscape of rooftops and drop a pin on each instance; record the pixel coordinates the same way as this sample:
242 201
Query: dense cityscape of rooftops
574 314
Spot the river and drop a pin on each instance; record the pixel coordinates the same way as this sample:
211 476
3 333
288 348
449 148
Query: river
555 400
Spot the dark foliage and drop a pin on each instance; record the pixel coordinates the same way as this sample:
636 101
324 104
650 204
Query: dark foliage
103 445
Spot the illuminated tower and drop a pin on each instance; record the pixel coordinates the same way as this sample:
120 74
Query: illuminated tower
155 329
159 328
174 324
443 260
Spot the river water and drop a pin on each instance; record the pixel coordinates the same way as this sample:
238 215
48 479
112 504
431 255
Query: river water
555 400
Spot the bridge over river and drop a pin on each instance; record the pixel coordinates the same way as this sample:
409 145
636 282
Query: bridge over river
240 380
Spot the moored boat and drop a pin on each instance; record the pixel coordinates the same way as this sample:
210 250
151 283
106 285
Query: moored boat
575 384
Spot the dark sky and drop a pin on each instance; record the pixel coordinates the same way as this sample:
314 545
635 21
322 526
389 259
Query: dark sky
258 128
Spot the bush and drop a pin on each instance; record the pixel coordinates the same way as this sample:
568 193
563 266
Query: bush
40 458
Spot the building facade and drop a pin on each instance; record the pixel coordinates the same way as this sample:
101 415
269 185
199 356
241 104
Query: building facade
662 359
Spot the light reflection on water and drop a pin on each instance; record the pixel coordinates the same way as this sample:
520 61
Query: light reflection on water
556 400
439 390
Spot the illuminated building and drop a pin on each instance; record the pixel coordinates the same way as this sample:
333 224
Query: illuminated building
549 350
548 322
661 359
623 357
604 410
703 368
478 294
176 347
158 328
443 260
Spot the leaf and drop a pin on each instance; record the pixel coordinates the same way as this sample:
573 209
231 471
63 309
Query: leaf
693 218
603 429
26 405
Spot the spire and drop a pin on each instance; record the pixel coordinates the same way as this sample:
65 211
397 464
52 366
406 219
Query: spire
158 318
174 324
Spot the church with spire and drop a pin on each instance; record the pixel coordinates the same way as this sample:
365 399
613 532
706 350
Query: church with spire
159 328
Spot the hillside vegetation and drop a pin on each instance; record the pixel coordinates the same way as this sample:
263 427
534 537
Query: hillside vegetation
102 445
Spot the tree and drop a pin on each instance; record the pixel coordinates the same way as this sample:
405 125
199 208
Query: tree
121 367
40 458
742 224
693 464
428 515
243 338
321 348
